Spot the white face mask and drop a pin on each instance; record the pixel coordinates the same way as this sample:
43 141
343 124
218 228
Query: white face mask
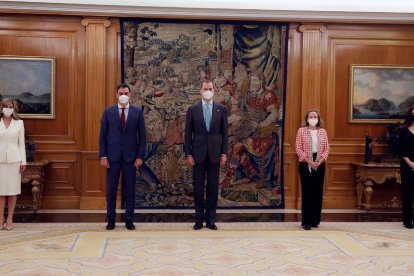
123 99
7 111
207 94
313 122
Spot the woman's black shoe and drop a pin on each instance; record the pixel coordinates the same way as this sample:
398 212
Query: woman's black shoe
307 227
409 226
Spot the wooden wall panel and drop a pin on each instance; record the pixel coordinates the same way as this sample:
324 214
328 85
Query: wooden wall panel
311 65
340 45
391 45
363 54
88 68
292 115
103 88
95 77
31 36
339 185
93 180
61 185
59 178
58 140
346 45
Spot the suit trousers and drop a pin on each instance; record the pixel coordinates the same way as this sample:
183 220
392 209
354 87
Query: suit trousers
206 176
407 194
128 188
312 193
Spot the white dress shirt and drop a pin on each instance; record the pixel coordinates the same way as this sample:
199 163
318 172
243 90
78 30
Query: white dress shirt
125 111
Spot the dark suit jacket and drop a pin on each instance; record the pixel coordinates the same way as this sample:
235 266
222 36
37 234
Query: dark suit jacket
199 141
117 144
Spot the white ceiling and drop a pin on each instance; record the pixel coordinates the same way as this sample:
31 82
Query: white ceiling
370 11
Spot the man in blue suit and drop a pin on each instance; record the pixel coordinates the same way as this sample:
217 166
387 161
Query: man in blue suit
121 148
206 143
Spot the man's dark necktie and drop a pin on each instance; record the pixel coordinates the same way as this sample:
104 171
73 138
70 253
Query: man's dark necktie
123 118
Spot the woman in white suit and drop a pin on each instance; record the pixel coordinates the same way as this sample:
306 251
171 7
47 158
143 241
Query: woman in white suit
12 159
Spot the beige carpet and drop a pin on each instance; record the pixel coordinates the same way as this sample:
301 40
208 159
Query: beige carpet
235 249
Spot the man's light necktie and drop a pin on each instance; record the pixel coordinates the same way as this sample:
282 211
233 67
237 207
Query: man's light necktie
207 115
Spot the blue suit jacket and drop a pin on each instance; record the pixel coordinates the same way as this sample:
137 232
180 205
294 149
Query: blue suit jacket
119 144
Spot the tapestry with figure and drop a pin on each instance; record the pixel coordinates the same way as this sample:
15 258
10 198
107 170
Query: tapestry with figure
165 63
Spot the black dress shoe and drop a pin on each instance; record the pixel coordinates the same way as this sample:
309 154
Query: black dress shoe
409 226
110 225
129 225
198 226
211 225
307 228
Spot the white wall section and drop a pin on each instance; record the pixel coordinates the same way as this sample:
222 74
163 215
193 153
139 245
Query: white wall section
371 11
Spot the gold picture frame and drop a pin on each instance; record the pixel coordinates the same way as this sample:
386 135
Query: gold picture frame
380 93
31 82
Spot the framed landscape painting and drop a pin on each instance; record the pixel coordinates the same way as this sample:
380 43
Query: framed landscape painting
380 93
31 82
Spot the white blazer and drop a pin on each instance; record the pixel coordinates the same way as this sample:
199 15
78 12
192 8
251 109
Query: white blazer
12 146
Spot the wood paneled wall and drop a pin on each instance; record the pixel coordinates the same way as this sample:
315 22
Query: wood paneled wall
320 56
87 52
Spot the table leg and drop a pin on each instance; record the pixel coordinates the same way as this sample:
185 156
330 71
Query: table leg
368 194
359 189
36 193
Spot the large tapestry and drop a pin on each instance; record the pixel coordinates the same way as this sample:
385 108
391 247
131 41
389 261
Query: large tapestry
165 64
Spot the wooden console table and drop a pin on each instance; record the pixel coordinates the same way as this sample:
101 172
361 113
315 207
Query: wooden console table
367 175
34 176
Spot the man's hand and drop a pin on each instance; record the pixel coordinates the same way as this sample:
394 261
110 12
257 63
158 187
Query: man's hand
138 162
190 161
223 160
105 163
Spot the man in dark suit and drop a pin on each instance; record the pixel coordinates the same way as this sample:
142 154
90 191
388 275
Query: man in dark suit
206 143
121 148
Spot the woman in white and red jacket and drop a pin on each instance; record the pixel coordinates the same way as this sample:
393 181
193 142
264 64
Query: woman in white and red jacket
312 148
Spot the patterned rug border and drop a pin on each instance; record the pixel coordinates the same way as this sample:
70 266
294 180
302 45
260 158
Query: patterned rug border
26 232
